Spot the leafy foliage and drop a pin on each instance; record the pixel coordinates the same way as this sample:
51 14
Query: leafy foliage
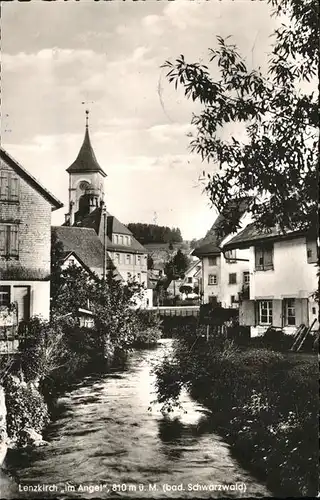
176 267
26 410
264 402
152 233
276 164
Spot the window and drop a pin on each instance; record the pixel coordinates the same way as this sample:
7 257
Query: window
128 241
232 278
121 239
212 280
139 259
4 296
139 278
115 239
9 186
117 258
128 259
230 256
212 261
9 241
290 312
233 299
128 276
265 312
264 258
189 280
312 252
246 277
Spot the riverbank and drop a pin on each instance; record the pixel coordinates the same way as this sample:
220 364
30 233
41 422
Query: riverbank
104 433
264 403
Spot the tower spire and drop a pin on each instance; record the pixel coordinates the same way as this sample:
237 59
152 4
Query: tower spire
87 119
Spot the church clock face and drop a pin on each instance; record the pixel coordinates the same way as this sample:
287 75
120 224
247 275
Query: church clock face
84 185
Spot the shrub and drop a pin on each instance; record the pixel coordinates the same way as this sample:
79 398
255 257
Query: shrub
26 410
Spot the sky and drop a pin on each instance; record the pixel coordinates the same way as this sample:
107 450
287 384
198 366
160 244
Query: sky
108 54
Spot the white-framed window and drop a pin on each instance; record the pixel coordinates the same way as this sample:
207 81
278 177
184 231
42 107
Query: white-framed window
212 279
115 239
128 258
5 296
264 258
139 277
265 312
121 239
9 240
246 278
212 261
128 241
128 276
9 186
232 278
290 312
117 258
233 299
312 251
139 259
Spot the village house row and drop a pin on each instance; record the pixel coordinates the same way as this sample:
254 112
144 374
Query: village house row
271 277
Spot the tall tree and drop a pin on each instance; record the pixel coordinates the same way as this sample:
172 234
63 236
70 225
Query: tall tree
276 165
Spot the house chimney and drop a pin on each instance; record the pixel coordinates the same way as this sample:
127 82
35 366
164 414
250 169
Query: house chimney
71 213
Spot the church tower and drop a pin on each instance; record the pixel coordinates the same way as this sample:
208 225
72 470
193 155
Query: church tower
86 181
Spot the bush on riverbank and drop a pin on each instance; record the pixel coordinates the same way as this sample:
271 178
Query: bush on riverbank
27 413
264 402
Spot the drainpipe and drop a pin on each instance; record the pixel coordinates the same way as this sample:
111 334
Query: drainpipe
104 211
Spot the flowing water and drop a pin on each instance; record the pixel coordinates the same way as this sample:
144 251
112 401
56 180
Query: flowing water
106 443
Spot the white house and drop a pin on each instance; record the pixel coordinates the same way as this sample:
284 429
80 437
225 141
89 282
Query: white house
225 273
283 279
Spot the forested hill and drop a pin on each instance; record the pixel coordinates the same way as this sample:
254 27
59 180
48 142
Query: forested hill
151 233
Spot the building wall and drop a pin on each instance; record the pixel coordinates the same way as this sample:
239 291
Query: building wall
39 299
34 215
95 179
292 277
238 267
211 290
223 290
134 268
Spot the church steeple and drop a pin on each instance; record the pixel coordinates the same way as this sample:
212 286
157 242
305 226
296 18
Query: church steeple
86 160
86 181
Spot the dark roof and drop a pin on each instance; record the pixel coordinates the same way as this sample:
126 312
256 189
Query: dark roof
251 234
86 160
114 226
55 203
72 253
85 243
208 249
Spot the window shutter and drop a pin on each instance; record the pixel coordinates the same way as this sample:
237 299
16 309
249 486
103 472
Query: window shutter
13 241
14 188
4 184
3 233
268 258
247 313
277 313
258 258
302 314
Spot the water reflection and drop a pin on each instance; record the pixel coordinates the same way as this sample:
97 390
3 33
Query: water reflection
104 434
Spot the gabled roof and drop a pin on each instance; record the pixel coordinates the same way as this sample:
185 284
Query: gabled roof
86 160
252 235
85 243
69 254
55 203
94 220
